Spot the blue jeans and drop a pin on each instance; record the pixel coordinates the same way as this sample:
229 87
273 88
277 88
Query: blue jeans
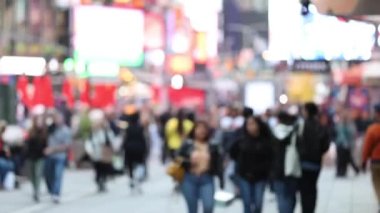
252 195
54 168
195 188
5 167
286 190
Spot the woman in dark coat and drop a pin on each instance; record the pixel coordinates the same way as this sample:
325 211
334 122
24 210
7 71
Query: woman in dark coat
253 154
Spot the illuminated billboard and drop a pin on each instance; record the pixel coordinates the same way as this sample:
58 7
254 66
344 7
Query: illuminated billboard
316 36
154 32
108 35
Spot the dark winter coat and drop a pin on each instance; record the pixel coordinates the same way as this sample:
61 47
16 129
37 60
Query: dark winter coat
254 157
135 144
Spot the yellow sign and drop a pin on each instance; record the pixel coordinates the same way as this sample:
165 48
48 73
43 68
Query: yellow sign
301 87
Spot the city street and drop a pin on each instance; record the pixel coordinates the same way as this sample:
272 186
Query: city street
352 195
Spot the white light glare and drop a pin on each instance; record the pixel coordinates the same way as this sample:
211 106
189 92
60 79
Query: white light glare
156 57
177 82
53 65
283 99
16 65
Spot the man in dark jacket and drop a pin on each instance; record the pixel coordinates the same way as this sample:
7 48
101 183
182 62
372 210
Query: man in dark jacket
313 143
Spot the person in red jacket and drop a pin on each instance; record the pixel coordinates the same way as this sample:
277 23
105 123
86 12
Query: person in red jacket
371 151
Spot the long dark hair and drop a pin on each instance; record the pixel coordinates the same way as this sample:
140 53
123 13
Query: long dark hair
264 130
39 131
181 116
204 124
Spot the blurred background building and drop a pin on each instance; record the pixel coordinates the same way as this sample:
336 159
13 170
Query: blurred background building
166 53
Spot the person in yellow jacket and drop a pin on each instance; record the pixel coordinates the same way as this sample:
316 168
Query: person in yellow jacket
176 130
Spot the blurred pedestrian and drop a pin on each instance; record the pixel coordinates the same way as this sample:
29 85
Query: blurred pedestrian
191 116
35 146
371 151
286 164
83 132
6 165
112 122
202 162
163 120
313 143
253 154
327 122
345 142
270 118
362 122
17 150
65 110
177 129
59 141
135 149
99 148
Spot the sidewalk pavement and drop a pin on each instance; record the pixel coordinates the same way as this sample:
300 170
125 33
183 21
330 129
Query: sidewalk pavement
351 195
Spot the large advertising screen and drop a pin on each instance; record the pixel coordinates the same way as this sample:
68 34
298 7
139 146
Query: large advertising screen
315 36
108 35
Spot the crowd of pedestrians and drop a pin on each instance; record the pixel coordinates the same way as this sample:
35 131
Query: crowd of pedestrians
280 150
46 145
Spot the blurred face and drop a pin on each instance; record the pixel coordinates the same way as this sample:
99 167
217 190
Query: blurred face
201 132
98 125
365 115
38 121
345 116
252 127
58 119
324 120
304 113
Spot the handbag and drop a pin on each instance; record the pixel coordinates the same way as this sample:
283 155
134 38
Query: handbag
107 151
176 170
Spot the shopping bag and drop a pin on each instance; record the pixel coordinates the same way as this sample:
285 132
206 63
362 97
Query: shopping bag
292 159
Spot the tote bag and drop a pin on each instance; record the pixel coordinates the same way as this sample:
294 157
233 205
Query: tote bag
292 158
